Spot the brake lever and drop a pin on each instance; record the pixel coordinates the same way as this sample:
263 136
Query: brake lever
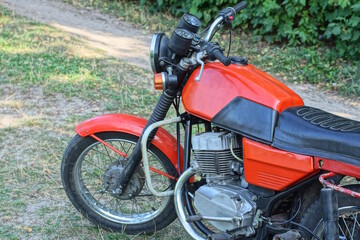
201 62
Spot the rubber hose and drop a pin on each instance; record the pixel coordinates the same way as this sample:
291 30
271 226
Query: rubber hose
159 114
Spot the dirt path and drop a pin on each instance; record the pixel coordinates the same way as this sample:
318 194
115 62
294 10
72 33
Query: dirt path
122 40
115 38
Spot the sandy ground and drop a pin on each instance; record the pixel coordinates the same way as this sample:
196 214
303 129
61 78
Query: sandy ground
122 40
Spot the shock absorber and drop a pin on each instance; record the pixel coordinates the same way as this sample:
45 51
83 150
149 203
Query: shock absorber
159 114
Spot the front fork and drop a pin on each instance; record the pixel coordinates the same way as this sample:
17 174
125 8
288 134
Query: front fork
159 114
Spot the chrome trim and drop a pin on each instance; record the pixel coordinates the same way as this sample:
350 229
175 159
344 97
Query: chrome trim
152 52
144 150
163 78
179 206
198 59
213 27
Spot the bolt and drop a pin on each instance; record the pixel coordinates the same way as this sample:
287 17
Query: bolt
254 198
255 224
321 163
236 221
117 191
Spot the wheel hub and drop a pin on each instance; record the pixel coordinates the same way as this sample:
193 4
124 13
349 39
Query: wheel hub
134 186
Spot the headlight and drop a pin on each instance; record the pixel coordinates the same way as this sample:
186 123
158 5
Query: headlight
158 48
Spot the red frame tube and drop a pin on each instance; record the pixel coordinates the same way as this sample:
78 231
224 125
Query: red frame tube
327 184
337 167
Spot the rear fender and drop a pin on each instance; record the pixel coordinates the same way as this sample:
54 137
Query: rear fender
125 123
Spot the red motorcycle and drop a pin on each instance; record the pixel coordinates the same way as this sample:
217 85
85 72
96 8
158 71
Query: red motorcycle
255 164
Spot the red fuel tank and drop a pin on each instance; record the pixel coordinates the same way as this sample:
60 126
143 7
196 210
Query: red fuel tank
219 85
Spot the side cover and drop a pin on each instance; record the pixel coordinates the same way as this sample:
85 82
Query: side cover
274 169
131 125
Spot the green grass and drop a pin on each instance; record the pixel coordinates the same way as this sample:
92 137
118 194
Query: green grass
34 54
317 65
46 88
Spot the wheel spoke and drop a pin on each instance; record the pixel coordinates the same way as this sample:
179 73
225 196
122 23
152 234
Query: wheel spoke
356 221
117 205
342 231
354 225
112 199
107 152
128 149
95 165
96 161
347 228
102 194
122 147
95 150
136 206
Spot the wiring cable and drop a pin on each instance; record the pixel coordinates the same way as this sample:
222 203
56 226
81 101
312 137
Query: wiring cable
290 221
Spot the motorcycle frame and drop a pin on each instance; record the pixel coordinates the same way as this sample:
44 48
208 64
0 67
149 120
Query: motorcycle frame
169 146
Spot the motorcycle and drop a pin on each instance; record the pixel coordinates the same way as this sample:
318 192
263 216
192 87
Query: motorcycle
255 163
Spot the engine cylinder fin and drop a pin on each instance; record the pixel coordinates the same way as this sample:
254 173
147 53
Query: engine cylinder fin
212 152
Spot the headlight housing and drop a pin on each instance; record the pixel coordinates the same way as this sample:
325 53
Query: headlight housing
158 49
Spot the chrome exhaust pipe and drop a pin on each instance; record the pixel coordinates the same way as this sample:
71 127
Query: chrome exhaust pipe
179 206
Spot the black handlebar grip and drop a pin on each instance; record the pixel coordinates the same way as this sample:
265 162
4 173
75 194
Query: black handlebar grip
221 57
240 6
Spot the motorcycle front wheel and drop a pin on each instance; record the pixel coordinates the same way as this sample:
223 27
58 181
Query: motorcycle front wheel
89 171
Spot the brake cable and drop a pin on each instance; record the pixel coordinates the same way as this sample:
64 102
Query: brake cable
230 28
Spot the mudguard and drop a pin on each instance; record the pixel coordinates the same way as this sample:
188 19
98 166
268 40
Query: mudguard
125 123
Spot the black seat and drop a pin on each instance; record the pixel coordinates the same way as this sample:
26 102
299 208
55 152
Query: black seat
311 131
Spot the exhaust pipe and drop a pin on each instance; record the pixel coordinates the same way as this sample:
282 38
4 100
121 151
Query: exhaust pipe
179 206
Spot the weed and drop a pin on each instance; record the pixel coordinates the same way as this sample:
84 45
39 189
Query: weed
317 65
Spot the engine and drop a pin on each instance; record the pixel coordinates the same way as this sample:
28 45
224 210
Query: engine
212 152
224 200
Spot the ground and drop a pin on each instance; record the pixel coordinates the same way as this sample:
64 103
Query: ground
105 69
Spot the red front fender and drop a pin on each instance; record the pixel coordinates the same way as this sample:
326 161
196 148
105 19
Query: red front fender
131 125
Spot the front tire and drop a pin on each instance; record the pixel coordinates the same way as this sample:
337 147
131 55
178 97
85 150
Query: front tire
349 217
88 170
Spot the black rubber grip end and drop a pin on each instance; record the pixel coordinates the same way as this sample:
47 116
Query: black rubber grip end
240 6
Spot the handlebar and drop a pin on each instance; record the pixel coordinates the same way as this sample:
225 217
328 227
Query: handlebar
240 6
212 28
214 52
221 57
224 14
